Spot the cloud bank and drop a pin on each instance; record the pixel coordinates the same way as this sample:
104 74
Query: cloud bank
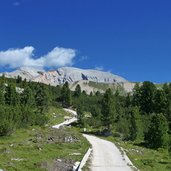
15 58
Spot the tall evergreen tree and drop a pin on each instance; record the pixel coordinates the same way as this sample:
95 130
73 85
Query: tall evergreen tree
8 120
27 97
11 96
136 95
157 134
147 92
19 79
108 109
135 127
66 95
41 99
160 102
77 92
2 92
80 115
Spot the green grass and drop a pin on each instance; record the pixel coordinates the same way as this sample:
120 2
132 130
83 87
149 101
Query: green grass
56 115
143 158
159 86
32 146
104 86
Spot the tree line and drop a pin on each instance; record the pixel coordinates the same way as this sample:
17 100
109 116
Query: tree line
143 116
23 104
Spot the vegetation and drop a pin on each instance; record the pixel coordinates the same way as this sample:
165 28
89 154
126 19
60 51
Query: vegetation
37 148
157 134
141 119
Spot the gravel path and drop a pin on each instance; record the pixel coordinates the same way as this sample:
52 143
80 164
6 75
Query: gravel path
106 156
69 121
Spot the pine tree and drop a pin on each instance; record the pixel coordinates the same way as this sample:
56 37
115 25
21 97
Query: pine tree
84 93
91 94
77 92
146 101
66 95
27 97
157 134
160 102
97 93
19 79
80 115
41 99
2 92
108 109
11 96
135 127
136 95
8 120
27 116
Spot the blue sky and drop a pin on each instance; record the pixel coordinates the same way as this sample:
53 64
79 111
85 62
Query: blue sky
131 38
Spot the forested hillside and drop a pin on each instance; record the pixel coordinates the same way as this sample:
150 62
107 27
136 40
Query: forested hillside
142 117
23 103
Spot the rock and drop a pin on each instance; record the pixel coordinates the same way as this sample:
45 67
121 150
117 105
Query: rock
50 140
61 165
61 75
16 159
68 139
75 154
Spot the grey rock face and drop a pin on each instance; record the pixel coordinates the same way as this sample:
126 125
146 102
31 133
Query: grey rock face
61 75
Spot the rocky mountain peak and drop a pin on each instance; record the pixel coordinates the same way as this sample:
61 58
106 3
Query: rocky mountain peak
61 75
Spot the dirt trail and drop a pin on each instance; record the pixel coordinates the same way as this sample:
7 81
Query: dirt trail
106 156
69 121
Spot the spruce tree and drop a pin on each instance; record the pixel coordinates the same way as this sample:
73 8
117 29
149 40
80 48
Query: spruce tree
2 97
8 120
157 134
136 95
66 95
160 102
147 92
11 96
135 126
41 99
108 109
27 97
77 92
19 79
80 115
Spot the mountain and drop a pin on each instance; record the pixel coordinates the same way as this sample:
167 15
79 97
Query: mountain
61 75
74 76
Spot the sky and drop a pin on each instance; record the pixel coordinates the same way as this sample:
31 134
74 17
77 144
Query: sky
130 38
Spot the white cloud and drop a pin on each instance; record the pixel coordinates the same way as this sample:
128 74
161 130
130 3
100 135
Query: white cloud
14 58
59 57
100 68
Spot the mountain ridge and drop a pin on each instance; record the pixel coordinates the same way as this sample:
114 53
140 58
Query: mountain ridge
63 74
